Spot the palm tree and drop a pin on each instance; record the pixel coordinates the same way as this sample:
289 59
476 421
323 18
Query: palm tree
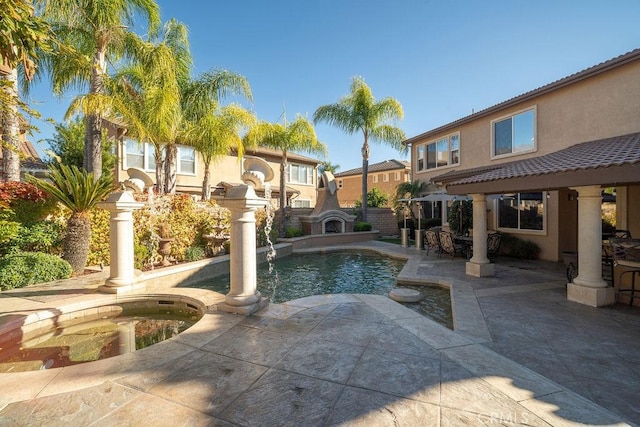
23 34
359 112
97 29
78 191
327 166
408 190
298 136
216 134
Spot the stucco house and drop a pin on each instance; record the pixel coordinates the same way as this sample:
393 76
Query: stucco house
385 176
536 165
302 176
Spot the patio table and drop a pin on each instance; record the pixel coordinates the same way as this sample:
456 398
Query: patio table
466 242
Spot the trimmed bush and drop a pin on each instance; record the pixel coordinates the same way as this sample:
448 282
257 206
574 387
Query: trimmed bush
362 226
27 268
519 248
194 253
293 232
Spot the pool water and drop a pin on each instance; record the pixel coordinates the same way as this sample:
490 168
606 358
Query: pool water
366 272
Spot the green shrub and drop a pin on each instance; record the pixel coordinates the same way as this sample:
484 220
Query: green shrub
362 226
431 222
519 248
43 236
194 253
8 230
26 202
293 232
99 242
140 256
27 268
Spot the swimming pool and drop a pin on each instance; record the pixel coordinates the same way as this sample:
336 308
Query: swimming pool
363 272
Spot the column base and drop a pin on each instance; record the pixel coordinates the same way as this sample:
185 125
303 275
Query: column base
121 289
594 297
245 310
480 270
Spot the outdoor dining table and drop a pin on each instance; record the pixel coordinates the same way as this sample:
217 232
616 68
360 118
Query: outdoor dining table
466 242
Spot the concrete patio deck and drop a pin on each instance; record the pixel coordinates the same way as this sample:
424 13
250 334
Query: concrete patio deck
521 354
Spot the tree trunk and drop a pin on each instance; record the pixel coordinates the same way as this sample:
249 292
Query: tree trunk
283 195
159 169
365 173
170 168
206 185
76 241
11 131
93 130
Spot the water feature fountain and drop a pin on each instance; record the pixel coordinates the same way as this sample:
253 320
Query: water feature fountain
243 202
121 204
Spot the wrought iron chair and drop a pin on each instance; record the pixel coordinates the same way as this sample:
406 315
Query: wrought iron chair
626 254
448 246
432 241
493 244
622 234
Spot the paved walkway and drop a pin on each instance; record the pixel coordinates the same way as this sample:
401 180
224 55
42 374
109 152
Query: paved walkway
520 355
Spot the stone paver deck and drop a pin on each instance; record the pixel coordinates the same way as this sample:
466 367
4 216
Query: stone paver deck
520 355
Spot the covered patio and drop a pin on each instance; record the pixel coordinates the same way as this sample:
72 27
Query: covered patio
585 169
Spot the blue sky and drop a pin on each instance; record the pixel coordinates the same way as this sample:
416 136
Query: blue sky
440 59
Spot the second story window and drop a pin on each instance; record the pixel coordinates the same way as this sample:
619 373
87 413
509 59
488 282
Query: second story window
300 174
375 179
139 155
514 134
443 152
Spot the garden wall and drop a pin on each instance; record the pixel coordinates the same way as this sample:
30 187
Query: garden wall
381 219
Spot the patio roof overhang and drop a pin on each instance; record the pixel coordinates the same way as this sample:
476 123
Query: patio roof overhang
606 162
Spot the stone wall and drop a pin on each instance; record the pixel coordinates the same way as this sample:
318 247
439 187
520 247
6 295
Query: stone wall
381 219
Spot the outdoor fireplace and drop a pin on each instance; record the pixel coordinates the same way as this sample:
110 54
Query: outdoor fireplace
327 217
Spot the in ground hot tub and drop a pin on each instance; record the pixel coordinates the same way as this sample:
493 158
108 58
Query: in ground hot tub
65 336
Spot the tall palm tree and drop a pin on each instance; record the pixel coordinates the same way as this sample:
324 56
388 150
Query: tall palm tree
298 136
408 190
23 34
359 112
78 191
98 31
216 134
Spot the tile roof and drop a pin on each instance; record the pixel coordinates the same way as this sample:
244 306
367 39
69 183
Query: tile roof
392 164
598 154
618 61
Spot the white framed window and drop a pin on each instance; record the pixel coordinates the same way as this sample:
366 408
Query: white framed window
522 211
385 177
186 160
440 153
396 176
299 174
374 179
297 203
139 155
514 134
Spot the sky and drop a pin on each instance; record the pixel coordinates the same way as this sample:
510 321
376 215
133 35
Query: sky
442 60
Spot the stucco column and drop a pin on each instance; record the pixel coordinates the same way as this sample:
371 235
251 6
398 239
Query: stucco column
479 265
588 287
121 205
243 296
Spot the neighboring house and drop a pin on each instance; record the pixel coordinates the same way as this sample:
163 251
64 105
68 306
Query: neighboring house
302 171
30 162
545 156
385 176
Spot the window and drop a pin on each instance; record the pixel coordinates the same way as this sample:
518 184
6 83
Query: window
300 174
301 203
375 179
521 211
396 176
385 177
186 160
339 183
514 134
440 153
139 155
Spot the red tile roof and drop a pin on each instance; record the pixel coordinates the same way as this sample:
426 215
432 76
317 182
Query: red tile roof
598 154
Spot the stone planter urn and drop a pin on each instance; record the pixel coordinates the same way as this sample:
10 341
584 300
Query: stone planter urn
164 249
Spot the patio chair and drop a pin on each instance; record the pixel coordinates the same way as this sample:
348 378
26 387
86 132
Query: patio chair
622 234
626 254
447 245
432 241
493 244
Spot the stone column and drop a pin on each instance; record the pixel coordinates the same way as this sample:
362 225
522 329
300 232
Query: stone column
121 205
588 287
243 296
479 265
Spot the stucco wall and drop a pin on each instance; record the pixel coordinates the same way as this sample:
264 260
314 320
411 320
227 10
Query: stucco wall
381 219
